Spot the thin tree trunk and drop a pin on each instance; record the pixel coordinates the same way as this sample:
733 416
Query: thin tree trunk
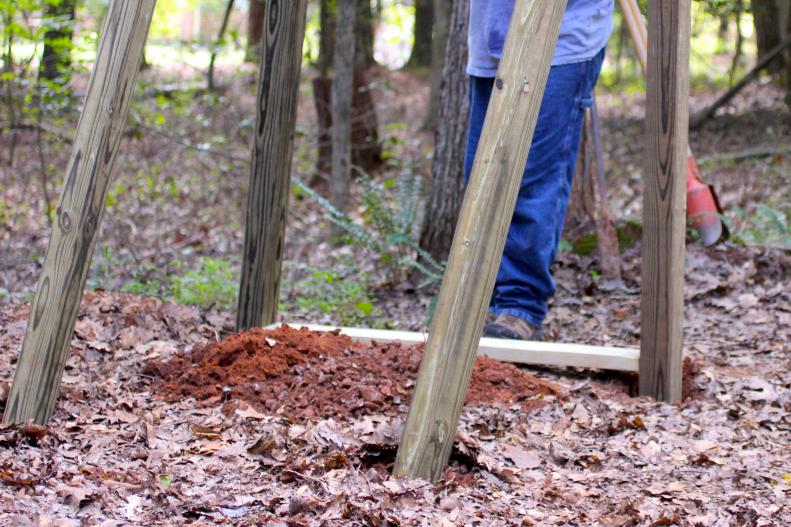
322 90
424 28
737 54
364 31
56 57
784 9
218 43
255 29
441 24
366 150
447 171
326 36
342 92
767 29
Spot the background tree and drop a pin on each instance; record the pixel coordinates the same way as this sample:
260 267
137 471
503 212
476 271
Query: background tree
441 24
420 56
255 29
364 32
322 89
767 29
447 171
217 43
56 57
342 91
772 20
366 150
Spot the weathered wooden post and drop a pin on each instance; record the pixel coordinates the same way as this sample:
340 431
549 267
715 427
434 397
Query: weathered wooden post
664 209
267 197
479 240
79 213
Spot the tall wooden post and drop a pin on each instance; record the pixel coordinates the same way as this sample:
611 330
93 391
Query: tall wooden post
667 120
79 213
479 240
267 197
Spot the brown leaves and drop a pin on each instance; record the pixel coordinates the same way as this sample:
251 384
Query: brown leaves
25 476
598 456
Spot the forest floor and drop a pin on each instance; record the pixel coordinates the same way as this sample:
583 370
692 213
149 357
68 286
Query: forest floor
149 431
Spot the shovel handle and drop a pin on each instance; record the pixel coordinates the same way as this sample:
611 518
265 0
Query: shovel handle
639 32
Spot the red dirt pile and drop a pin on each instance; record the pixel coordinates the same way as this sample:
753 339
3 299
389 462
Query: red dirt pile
308 375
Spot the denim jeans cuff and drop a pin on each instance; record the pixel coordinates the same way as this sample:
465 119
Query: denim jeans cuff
516 312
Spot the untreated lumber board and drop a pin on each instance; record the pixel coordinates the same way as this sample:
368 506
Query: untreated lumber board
478 244
664 180
270 172
516 351
79 213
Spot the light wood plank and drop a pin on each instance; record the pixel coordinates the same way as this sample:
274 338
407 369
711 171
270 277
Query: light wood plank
664 179
270 173
515 351
478 244
79 214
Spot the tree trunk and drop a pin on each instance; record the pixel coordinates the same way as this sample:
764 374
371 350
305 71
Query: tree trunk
589 207
256 13
424 27
766 18
218 43
785 31
447 171
737 54
364 32
342 92
56 58
322 93
366 149
581 213
441 24
326 36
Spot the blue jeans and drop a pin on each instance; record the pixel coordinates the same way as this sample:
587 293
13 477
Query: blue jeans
524 283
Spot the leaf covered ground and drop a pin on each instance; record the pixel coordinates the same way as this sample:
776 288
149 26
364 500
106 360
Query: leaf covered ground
118 451
122 449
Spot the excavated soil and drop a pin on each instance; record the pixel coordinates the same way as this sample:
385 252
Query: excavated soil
309 375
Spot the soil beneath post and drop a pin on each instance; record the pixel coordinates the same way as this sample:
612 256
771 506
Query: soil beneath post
307 375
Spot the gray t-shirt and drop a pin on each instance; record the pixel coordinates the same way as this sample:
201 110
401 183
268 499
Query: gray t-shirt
585 29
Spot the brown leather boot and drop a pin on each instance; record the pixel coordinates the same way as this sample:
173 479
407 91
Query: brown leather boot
511 327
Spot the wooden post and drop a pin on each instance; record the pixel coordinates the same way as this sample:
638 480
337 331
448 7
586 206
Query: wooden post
270 174
479 240
79 213
667 119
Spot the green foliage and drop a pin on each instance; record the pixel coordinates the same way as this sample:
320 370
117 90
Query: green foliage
345 300
102 266
586 245
762 225
145 282
564 246
388 228
214 283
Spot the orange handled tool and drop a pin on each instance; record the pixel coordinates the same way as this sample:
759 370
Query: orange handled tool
704 213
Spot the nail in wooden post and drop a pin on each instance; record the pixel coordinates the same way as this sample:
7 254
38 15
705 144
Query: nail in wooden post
79 213
667 119
267 197
479 240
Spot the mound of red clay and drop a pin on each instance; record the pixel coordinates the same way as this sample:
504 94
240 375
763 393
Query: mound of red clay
308 375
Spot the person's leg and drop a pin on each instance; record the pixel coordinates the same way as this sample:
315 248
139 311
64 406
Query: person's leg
480 93
524 283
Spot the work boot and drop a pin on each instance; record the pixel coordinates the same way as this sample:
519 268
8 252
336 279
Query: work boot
511 327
